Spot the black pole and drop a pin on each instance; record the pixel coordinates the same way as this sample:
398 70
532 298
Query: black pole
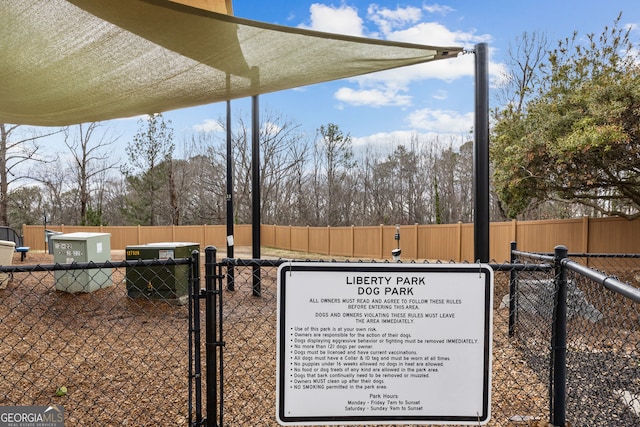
230 242
481 155
559 341
210 335
513 292
255 190
195 367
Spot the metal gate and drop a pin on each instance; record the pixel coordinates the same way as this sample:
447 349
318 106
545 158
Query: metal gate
235 279
526 320
205 390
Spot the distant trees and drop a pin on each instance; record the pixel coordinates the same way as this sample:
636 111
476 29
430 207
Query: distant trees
323 182
320 181
576 139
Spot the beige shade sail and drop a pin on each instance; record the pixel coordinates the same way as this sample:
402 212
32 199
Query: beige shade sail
67 62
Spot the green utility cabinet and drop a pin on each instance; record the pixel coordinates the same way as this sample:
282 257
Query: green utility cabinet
80 248
165 282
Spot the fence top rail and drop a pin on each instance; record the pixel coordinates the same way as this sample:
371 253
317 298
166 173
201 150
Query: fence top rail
255 262
521 267
609 282
92 265
538 256
252 262
588 255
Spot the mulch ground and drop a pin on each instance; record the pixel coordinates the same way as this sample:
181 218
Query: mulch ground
125 361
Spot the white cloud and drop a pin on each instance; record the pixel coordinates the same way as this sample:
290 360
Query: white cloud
208 125
442 121
440 95
271 128
372 97
403 25
438 8
384 138
388 140
434 33
339 20
387 19
394 87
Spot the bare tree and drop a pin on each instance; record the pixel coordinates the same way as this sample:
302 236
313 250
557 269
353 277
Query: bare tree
522 77
335 153
283 153
90 160
16 149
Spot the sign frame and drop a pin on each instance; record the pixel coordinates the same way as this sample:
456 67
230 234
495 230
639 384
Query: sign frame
300 286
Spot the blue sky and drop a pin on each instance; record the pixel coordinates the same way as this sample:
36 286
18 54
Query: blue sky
431 99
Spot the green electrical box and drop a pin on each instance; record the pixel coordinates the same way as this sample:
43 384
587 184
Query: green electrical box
166 282
82 247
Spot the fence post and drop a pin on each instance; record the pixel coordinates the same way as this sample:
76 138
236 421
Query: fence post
416 247
195 369
459 242
210 335
353 241
513 291
559 342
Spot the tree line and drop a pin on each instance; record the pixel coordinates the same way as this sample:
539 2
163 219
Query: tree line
320 180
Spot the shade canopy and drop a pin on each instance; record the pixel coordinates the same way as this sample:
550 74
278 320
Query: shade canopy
67 62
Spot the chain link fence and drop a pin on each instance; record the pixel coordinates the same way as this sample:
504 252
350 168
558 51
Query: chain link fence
122 350
602 362
519 395
603 338
108 342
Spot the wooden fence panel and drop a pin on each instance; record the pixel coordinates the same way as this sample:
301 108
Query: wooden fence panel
467 251
282 237
440 242
613 235
300 239
341 241
543 236
215 235
155 234
408 242
319 240
501 234
122 236
367 242
34 237
445 242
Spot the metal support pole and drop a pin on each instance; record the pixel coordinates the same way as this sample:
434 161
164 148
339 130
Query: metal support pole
481 154
195 367
230 242
255 191
513 292
559 342
210 332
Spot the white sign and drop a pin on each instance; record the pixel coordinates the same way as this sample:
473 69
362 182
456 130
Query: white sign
384 343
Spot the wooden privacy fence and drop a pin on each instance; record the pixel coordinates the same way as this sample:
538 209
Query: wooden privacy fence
448 242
